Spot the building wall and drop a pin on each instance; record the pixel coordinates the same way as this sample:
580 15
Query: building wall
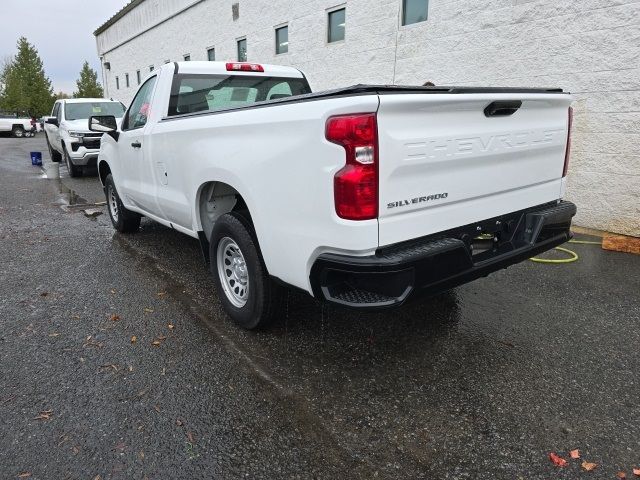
589 47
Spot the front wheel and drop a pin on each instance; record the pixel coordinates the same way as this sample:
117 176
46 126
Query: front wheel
74 171
123 220
17 131
246 291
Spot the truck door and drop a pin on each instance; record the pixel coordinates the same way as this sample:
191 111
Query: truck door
136 180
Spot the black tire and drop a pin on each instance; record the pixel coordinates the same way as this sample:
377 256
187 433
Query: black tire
74 170
17 131
55 155
264 296
123 220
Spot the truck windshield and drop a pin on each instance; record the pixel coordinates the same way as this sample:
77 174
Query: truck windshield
82 111
191 93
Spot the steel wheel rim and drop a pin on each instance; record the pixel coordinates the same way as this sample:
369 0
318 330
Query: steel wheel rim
18 133
233 273
112 200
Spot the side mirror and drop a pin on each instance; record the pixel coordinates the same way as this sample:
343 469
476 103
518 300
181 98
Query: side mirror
53 121
103 124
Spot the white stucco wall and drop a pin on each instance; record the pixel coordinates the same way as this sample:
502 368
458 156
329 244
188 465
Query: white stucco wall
589 47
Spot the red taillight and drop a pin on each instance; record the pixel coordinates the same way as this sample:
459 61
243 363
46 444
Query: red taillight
567 153
244 67
355 186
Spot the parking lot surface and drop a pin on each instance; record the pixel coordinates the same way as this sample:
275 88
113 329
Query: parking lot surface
117 361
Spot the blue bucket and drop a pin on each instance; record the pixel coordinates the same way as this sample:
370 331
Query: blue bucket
36 158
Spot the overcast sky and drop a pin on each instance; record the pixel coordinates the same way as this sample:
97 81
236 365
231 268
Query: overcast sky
61 30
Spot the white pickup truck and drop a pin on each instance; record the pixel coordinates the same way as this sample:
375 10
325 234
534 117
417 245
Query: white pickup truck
68 137
15 124
365 196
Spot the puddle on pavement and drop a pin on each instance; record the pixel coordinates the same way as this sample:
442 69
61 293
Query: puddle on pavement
69 200
68 197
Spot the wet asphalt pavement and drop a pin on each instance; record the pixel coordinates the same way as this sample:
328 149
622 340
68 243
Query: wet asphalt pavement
481 382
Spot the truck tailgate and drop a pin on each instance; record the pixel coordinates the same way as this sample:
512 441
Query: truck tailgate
445 162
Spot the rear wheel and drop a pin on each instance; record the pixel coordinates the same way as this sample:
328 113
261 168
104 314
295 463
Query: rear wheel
17 131
74 171
55 155
123 220
246 291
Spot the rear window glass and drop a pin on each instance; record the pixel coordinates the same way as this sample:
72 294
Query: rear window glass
84 110
207 93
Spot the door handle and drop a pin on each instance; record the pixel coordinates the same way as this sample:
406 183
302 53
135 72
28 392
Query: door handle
136 144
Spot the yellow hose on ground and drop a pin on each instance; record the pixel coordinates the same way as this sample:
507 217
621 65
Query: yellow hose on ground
573 256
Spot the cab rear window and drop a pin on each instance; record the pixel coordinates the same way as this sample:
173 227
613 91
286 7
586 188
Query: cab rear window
209 93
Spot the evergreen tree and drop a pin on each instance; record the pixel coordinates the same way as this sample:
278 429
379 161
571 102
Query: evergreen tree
88 86
26 89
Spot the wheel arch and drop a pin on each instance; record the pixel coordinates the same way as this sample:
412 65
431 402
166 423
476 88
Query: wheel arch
103 170
214 198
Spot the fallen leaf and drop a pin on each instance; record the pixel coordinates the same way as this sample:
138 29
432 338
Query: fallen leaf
120 446
44 415
54 334
156 343
171 326
113 291
24 474
92 343
190 437
557 460
141 455
44 294
114 317
179 422
588 466
148 310
111 365
157 408
636 472
76 450
575 453
134 339
161 294
621 475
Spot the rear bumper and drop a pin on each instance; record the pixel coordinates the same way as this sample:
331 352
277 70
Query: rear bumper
439 262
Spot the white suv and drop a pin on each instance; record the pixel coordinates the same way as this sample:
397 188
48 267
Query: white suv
68 135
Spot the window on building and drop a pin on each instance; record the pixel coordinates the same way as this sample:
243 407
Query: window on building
211 54
414 11
282 40
337 19
126 79
151 67
242 50
138 76
187 58
117 83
